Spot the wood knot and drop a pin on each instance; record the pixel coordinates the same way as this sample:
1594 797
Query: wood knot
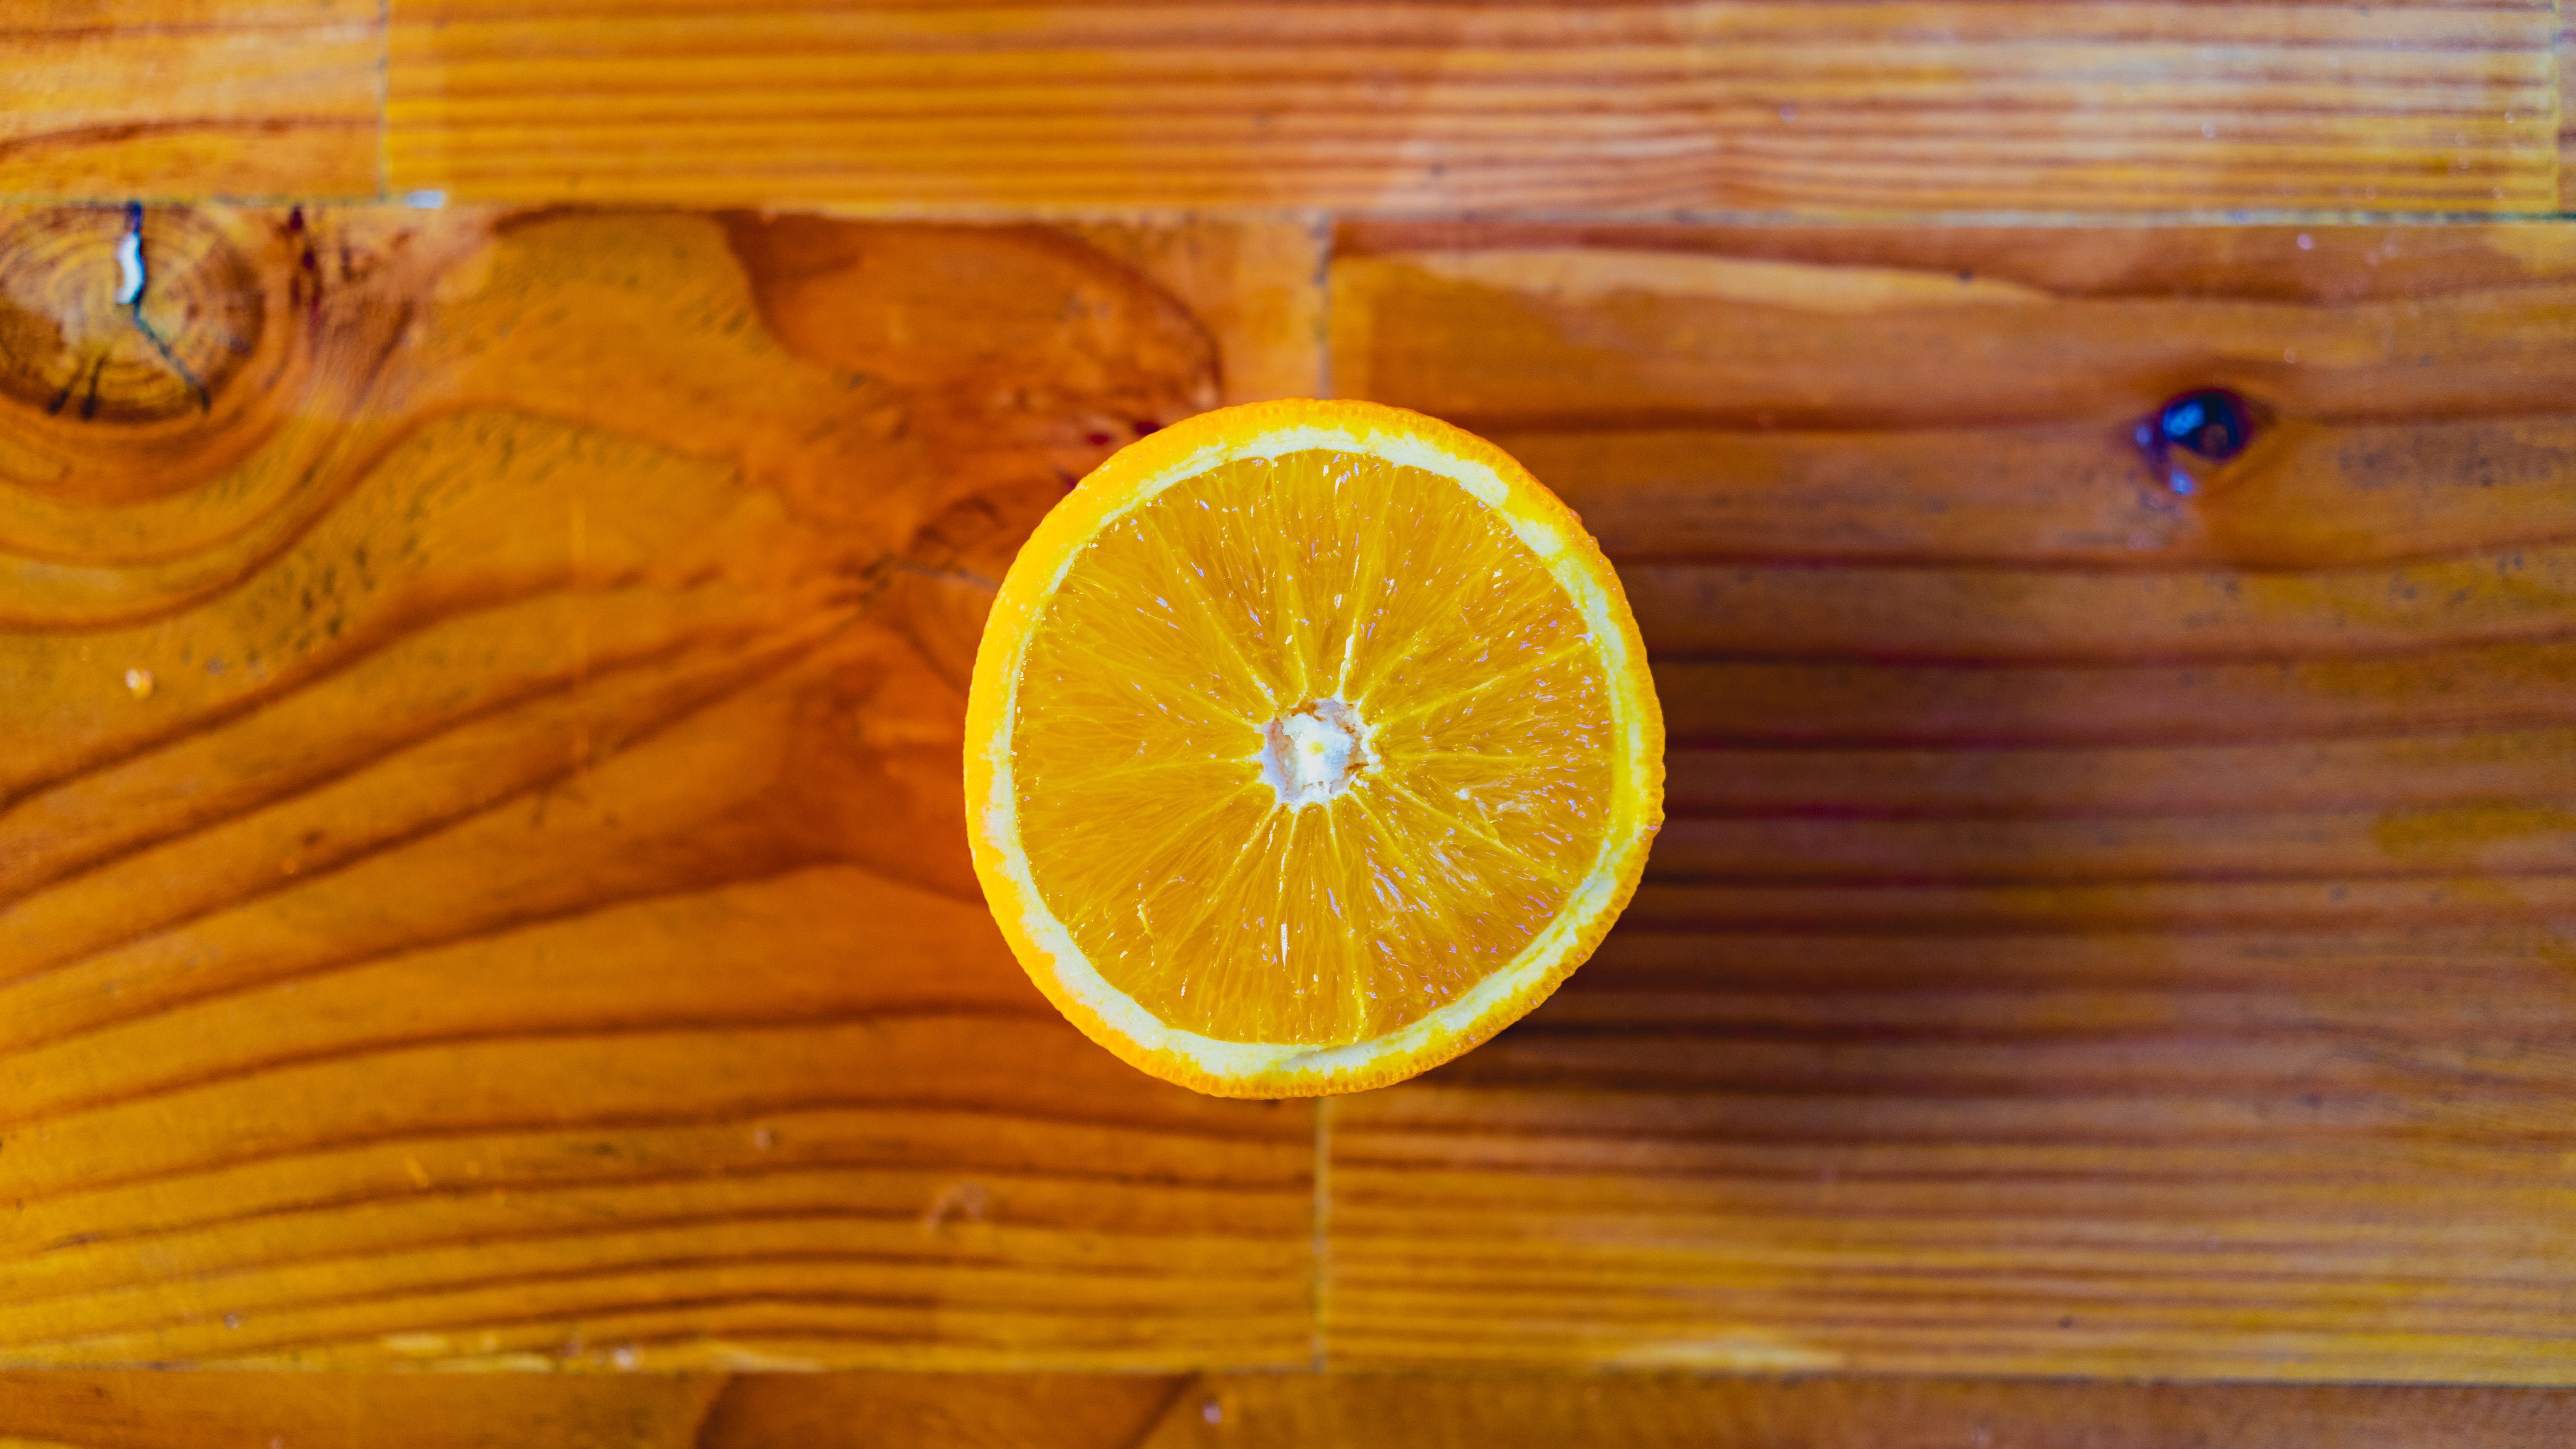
123 314
2210 424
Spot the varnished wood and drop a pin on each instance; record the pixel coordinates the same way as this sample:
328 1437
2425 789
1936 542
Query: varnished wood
2566 111
2038 107
1256 287
1881 107
191 98
1641 1412
88 1410
477 869
2106 926
1899 334
480 870
972 1411
141 1410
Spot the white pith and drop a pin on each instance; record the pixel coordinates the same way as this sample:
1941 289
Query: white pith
1314 752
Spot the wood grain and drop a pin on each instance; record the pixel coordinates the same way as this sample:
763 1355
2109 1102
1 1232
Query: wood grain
91 1410
2566 111
1876 107
1658 1412
2106 926
1257 287
480 875
971 1411
191 98
71 1409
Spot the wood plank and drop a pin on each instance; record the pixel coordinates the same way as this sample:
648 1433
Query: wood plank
1886 106
93 1410
2566 111
1537 329
901 1411
480 872
1643 1412
2112 921
141 1410
191 98
90 1409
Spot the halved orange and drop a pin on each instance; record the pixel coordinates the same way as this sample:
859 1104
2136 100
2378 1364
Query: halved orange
1309 745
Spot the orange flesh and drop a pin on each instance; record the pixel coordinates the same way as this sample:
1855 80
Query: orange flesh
1477 797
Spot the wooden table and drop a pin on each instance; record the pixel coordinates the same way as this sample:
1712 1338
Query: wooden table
481 875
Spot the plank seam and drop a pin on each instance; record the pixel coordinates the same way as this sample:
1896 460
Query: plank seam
385 99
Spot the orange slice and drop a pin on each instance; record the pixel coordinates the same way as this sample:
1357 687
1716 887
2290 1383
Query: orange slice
1310 744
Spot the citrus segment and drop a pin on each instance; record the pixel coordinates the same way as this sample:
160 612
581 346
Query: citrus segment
1310 744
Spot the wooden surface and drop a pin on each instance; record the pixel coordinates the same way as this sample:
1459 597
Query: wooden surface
1874 108
191 98
2102 929
1878 106
480 881
481 884
142 1410
2566 109
76 1410
481 874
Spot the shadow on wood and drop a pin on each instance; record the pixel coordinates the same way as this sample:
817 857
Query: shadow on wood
2112 921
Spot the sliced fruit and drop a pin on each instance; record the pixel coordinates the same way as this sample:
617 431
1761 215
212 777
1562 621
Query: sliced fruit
1309 745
